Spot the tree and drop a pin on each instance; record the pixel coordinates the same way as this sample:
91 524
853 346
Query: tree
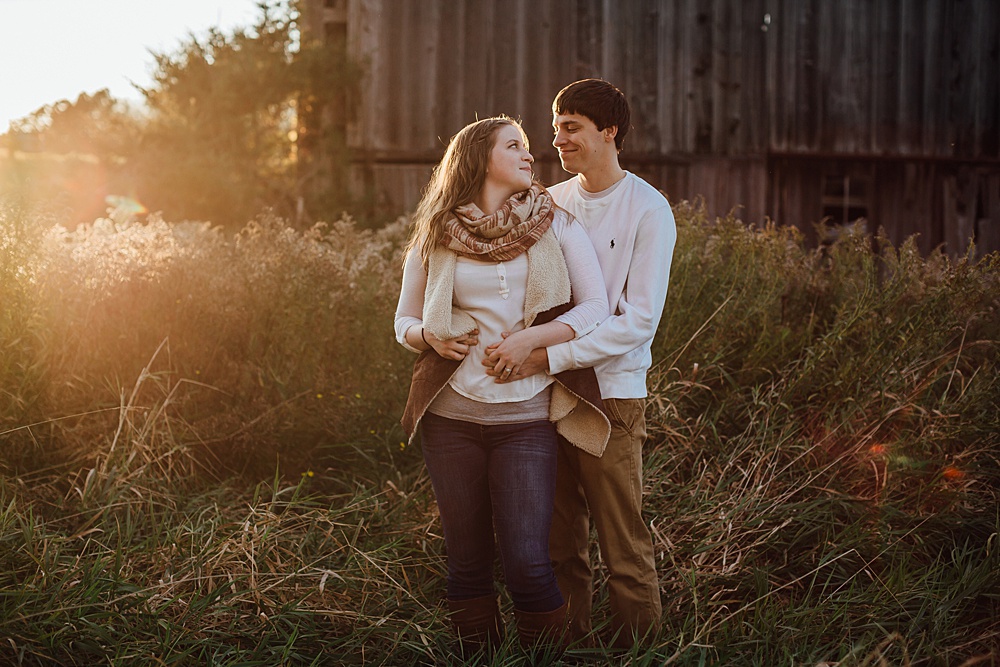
219 139
69 156
97 125
221 143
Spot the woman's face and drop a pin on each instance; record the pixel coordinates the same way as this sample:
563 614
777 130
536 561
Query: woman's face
509 168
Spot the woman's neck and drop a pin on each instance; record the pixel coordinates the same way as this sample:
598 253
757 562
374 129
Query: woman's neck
489 200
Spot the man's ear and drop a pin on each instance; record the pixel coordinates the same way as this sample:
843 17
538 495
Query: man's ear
610 132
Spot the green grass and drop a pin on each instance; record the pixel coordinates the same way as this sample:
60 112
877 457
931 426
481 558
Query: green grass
200 461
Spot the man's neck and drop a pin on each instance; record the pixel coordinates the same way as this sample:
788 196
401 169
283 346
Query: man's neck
600 179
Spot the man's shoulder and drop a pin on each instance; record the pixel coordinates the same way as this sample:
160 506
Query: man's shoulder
649 195
649 207
561 189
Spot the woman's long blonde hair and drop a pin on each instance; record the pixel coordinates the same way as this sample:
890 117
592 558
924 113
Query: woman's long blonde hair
456 180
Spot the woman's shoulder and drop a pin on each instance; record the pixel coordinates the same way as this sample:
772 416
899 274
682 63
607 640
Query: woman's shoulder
562 219
568 230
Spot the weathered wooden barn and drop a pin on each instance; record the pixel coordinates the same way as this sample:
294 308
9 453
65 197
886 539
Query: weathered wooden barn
791 110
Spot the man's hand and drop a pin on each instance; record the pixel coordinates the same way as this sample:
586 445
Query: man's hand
536 362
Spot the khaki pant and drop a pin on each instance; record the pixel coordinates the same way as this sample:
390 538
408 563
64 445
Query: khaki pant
611 487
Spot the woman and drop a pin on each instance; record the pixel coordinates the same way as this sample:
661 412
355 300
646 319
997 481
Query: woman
491 253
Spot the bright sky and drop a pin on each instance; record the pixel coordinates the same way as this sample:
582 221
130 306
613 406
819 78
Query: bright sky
52 50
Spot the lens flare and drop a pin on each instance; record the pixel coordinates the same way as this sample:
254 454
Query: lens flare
120 206
953 473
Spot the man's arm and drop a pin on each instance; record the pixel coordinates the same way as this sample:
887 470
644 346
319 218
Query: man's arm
637 314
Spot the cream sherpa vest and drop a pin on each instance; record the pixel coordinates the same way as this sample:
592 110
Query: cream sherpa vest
548 286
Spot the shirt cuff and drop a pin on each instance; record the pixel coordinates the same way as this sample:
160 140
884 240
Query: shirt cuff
586 329
560 358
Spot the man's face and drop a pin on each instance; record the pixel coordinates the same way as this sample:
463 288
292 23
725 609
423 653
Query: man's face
580 144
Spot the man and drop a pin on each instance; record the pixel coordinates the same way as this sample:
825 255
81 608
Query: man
633 231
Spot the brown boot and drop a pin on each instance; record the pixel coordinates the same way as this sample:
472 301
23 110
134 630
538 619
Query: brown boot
477 623
546 628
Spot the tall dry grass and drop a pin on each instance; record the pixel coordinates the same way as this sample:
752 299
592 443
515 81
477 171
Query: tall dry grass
201 462
829 459
268 347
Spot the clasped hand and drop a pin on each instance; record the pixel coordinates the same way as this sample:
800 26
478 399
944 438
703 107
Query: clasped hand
507 360
516 352
453 348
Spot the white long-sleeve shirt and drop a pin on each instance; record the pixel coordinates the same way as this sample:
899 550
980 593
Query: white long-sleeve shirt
493 294
633 232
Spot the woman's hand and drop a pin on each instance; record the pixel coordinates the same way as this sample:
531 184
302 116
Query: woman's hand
453 348
537 362
506 357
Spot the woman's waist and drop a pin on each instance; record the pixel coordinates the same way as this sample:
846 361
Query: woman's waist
471 381
449 403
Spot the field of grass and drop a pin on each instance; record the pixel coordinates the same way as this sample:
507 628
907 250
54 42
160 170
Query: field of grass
200 460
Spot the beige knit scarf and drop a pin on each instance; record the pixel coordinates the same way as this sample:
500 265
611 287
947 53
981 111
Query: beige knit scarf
504 235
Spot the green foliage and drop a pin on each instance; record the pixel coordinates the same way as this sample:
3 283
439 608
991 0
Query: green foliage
67 158
20 376
822 469
228 129
222 139
829 426
96 124
273 341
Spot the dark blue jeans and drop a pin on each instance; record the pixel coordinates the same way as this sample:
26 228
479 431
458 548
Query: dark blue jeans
500 477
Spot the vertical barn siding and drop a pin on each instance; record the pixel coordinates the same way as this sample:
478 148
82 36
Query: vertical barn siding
989 223
914 205
695 91
752 110
885 80
910 65
724 59
935 64
666 82
726 107
983 57
884 76
849 77
960 190
857 20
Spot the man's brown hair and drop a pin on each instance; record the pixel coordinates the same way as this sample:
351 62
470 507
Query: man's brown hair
599 101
